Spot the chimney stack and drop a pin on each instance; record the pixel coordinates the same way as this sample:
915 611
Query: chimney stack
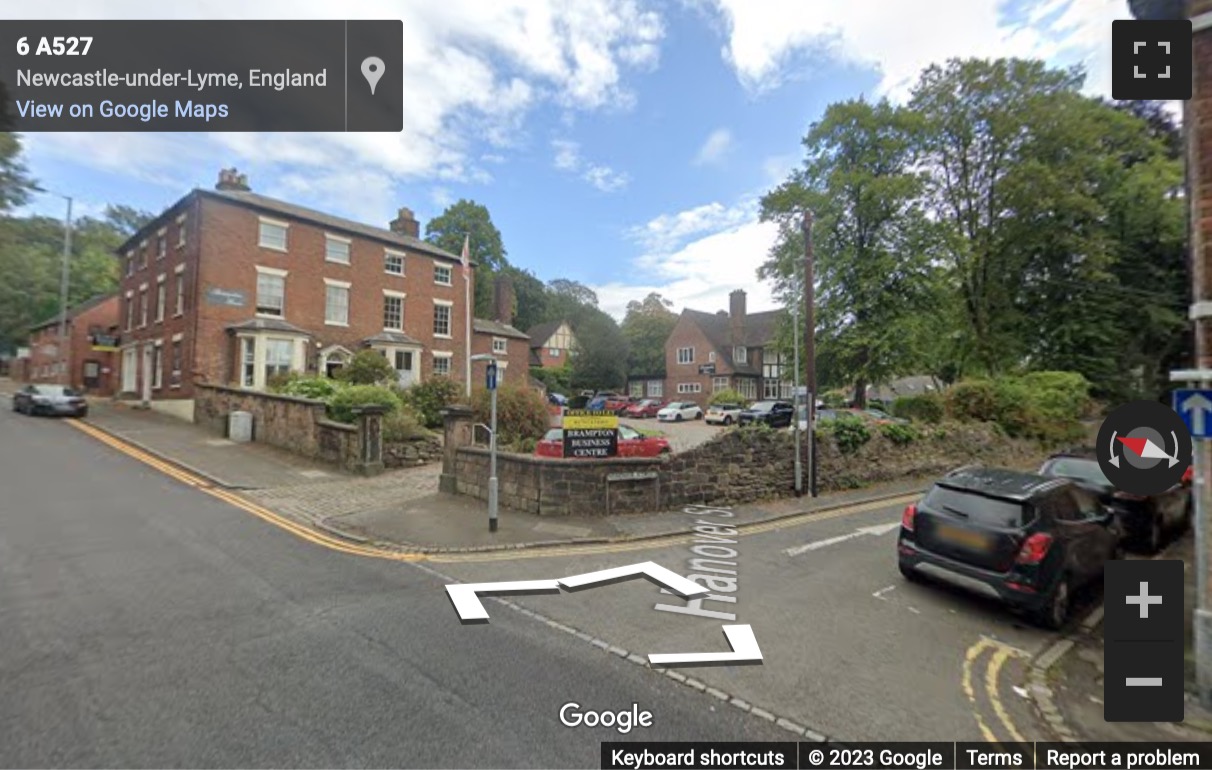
406 224
503 294
231 179
736 317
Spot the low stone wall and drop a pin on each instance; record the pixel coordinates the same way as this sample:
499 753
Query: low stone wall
405 454
555 487
737 466
295 424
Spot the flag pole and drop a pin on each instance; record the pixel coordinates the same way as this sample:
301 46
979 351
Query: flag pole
467 303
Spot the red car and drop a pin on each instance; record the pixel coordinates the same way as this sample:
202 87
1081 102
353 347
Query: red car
617 404
646 408
632 443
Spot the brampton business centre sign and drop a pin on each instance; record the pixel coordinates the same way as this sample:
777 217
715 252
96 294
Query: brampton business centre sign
590 433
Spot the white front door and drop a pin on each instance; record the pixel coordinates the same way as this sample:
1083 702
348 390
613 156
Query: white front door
405 362
130 369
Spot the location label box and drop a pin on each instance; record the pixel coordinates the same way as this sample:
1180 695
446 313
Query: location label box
323 76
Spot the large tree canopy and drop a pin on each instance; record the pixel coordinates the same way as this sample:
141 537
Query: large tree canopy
646 327
469 220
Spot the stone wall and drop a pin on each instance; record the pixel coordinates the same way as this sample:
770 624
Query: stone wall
295 424
737 466
552 486
418 451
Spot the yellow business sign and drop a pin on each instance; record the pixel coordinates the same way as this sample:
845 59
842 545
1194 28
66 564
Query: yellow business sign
587 419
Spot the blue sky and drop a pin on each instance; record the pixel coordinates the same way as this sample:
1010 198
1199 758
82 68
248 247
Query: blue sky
620 143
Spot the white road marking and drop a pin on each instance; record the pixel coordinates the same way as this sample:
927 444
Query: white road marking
880 593
877 529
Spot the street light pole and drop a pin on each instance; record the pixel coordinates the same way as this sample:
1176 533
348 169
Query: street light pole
64 279
810 346
795 420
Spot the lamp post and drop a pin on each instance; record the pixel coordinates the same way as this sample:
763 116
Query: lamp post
799 465
810 345
492 438
64 279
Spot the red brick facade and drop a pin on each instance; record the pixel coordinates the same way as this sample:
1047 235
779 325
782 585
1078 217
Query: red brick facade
268 287
91 370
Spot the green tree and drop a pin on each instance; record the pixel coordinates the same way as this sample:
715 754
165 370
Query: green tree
530 298
647 327
600 357
127 220
872 254
15 183
367 367
471 220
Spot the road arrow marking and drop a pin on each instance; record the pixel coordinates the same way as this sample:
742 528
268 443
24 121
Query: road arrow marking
877 529
1198 407
668 578
467 604
740 638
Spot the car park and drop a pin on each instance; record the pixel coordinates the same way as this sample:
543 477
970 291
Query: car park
639 410
776 414
1029 540
1148 521
632 443
723 414
677 411
50 400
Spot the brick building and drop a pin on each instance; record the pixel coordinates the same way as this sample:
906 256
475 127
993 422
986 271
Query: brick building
709 352
91 341
231 287
498 337
551 344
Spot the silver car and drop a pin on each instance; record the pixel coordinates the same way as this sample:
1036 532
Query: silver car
50 400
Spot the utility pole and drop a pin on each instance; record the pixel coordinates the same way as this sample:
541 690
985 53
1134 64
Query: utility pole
810 347
64 278
795 413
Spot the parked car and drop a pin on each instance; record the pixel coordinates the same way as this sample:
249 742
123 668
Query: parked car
632 443
1029 540
557 400
645 408
50 400
1147 521
598 401
618 404
822 415
676 411
776 414
723 414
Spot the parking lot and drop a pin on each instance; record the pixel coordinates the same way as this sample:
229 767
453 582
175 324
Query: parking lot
682 435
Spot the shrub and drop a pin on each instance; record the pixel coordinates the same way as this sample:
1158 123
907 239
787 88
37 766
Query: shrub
527 446
556 380
521 413
367 367
429 398
835 399
343 402
727 396
972 400
850 433
1059 395
403 425
901 435
320 388
277 383
926 407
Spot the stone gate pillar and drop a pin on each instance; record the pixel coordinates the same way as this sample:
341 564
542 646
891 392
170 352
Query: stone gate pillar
370 438
458 421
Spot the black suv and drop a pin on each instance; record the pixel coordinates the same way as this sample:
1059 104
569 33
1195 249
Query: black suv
1029 540
776 414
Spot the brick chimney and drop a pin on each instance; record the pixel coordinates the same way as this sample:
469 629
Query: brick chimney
502 291
736 317
406 224
231 179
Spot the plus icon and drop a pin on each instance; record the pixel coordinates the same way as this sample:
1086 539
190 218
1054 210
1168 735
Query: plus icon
1151 59
1144 600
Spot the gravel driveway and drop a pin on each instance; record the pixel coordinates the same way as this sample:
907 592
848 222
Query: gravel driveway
682 435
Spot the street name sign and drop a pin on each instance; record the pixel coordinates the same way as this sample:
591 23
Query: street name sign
1195 407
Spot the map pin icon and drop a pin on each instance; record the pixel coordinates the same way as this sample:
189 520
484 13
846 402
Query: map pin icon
372 70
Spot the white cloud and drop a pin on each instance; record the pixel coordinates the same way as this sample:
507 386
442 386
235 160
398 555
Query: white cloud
696 257
716 145
568 158
765 41
472 71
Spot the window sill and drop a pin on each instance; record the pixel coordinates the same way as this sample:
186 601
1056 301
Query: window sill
279 316
336 262
178 315
439 283
397 275
174 387
443 337
280 249
389 329
336 323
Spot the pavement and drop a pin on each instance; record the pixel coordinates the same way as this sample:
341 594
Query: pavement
1074 683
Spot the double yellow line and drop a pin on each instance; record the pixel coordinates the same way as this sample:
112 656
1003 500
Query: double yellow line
1000 653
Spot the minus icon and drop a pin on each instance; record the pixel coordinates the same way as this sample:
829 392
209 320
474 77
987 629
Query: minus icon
1144 681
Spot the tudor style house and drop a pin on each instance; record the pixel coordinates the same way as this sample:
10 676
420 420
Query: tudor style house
91 341
497 337
709 352
551 344
235 288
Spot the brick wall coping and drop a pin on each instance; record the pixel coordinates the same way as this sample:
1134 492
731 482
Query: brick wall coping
261 394
326 423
